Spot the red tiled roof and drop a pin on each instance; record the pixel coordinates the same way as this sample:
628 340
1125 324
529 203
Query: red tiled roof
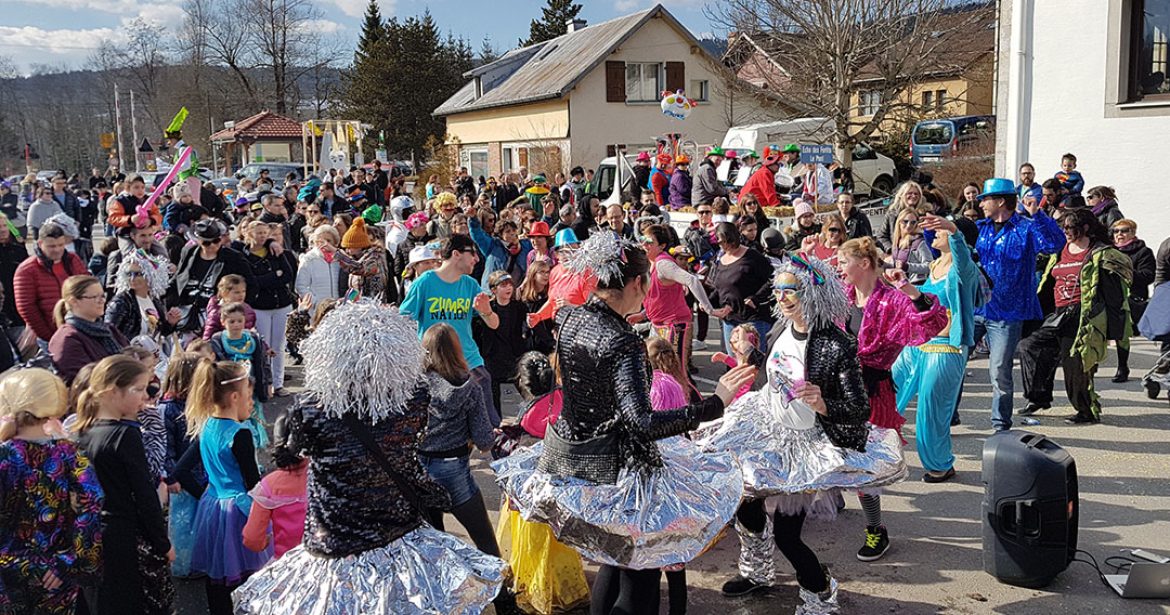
263 125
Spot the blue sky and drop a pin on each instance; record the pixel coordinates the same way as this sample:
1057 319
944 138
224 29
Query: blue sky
64 33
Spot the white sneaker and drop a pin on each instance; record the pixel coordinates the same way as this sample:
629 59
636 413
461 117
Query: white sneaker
698 345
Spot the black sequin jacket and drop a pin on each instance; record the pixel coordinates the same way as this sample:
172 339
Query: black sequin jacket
606 422
831 363
353 505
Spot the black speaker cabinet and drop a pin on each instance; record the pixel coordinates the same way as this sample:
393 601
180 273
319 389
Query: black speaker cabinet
1030 508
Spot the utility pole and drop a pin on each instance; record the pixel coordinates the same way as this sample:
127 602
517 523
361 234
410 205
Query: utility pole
134 135
211 131
118 130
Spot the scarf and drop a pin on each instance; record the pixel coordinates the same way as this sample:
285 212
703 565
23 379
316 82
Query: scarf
1102 206
98 330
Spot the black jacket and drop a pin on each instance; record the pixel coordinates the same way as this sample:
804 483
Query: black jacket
606 421
831 363
123 314
354 505
186 292
274 277
1144 268
857 225
505 193
12 254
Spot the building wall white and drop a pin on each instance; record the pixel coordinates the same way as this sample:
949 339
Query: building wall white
1068 107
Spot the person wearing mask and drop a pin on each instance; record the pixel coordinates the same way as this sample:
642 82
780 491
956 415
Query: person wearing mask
681 183
856 223
1088 284
37 281
1008 246
1125 239
762 183
318 273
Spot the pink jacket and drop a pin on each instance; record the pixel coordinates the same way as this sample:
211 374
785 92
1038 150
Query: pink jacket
544 412
212 325
280 499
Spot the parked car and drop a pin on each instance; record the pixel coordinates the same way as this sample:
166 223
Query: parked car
874 174
154 178
276 171
932 140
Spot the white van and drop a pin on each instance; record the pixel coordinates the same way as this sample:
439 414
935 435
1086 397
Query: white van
873 174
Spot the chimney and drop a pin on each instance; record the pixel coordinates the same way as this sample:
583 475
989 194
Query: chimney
575 24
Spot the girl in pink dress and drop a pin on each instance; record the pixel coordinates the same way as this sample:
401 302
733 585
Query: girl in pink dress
279 499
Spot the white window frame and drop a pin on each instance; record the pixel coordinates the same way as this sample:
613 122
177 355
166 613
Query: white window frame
641 96
868 102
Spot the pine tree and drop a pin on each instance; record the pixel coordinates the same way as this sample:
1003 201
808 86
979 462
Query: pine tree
487 51
373 32
552 21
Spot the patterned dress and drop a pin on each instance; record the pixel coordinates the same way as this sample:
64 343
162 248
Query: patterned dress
50 519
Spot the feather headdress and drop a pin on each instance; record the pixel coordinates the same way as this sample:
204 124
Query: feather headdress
363 359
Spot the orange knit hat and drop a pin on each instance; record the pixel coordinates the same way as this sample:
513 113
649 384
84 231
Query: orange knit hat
356 236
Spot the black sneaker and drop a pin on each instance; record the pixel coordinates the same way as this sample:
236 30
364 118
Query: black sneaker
1083 419
877 542
741 586
1032 408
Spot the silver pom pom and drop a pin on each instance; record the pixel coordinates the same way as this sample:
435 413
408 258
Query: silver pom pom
155 269
603 254
822 295
364 359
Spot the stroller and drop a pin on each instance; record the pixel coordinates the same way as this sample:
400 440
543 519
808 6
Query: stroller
1158 377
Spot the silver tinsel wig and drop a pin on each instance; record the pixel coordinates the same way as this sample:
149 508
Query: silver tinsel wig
155 269
603 254
822 296
365 359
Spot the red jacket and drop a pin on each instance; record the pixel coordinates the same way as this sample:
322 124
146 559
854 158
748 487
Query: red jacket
37 287
762 184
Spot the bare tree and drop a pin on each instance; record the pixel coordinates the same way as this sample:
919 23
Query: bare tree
827 52
214 31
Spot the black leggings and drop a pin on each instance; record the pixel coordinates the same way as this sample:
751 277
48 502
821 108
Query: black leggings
472 515
786 531
621 591
219 597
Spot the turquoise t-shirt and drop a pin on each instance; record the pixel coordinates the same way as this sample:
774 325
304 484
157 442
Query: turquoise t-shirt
430 300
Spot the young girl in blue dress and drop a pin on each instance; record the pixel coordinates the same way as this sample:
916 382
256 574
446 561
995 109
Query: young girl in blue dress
217 408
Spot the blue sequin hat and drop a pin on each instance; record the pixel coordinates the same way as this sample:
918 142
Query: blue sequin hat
997 186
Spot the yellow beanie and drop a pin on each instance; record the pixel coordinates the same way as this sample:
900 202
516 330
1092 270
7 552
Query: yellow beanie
356 236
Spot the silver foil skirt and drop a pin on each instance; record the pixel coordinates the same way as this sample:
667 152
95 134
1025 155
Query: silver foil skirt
777 460
644 520
424 572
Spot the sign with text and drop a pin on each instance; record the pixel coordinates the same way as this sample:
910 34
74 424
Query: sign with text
816 154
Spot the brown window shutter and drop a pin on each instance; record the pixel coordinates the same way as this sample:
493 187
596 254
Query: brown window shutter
676 76
522 153
615 81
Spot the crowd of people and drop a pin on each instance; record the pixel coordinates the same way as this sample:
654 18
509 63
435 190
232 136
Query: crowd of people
134 437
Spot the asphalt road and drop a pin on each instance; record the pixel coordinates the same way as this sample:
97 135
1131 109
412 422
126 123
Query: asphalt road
935 561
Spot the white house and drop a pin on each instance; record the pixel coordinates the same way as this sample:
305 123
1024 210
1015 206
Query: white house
570 100
1089 77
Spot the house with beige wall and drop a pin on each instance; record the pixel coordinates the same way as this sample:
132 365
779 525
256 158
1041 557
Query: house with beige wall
570 100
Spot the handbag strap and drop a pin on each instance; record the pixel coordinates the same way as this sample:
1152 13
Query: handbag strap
362 433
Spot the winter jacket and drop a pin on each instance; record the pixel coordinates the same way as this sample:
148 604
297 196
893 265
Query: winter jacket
641 181
681 186
857 225
497 256
505 193
72 350
1143 269
660 186
1104 313
123 315
69 204
762 184
123 209
318 278
185 292
1108 212
707 187
38 213
274 277
37 287
212 324
12 254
